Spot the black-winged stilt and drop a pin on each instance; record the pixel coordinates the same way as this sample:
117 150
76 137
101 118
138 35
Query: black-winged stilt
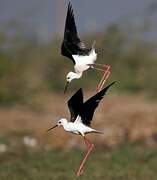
82 57
81 117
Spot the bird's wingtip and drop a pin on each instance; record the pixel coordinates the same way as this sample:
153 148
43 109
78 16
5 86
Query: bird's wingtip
107 87
70 9
111 84
69 5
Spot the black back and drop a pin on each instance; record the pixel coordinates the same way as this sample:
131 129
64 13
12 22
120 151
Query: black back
85 110
72 44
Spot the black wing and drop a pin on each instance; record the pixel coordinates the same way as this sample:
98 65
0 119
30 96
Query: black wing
75 103
72 44
91 104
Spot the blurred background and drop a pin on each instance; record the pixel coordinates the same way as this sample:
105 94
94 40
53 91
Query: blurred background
32 79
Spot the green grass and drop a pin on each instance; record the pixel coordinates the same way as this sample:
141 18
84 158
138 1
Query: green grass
125 163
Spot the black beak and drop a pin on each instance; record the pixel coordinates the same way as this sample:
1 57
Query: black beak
52 128
66 87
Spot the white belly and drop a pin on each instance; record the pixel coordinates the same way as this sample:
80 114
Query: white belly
78 128
82 63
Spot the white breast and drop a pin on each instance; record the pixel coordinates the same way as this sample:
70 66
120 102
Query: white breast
77 128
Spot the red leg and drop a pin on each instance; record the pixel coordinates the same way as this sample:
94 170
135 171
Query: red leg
106 70
102 65
103 80
90 146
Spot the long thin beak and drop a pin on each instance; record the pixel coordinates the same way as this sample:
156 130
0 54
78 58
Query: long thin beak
66 87
52 128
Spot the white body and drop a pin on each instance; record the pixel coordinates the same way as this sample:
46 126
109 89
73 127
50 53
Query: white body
84 62
76 127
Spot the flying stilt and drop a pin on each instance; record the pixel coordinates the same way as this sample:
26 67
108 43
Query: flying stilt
81 117
82 57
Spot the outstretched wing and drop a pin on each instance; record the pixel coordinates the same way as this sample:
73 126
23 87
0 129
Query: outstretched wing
91 104
75 103
72 44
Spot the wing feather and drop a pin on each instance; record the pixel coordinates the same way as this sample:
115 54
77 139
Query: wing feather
75 103
72 44
91 104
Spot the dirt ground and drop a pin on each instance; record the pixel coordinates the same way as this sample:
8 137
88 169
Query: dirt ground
121 118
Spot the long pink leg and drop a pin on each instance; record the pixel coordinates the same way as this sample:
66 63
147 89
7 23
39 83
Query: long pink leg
106 70
90 146
103 80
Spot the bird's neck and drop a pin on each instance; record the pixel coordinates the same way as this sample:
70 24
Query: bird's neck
64 122
78 75
66 125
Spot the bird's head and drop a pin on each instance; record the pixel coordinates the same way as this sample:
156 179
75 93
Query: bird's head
60 122
69 78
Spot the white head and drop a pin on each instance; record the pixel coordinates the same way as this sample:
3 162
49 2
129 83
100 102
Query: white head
59 123
62 122
70 76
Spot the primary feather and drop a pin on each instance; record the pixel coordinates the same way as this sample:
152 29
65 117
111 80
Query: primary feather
72 44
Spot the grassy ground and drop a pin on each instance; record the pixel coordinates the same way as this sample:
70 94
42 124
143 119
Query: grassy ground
124 163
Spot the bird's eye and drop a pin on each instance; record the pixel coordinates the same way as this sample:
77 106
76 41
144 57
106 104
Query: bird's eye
59 122
68 78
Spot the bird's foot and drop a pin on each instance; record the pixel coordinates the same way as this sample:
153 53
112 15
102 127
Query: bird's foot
80 171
